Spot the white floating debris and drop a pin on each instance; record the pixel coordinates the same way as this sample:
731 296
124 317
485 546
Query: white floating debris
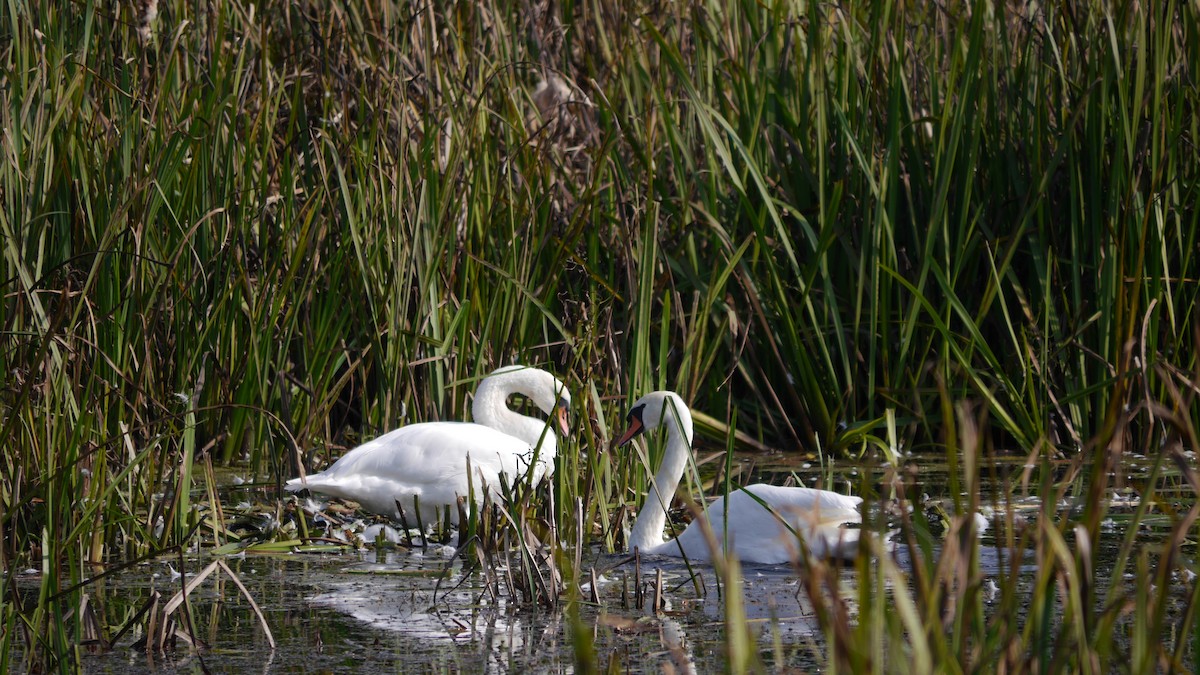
437 550
586 587
374 532
990 589
981 523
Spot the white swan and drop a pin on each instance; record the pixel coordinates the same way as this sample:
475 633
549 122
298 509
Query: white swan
426 463
739 521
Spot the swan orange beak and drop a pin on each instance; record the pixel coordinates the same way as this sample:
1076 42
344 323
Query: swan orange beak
635 428
561 417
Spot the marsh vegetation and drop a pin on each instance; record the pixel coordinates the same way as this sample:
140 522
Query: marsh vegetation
247 237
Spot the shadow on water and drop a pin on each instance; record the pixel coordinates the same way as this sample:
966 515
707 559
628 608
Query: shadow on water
393 609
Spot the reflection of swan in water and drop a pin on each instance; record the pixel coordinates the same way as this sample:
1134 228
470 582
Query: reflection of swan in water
493 633
468 630
503 639
748 521
427 462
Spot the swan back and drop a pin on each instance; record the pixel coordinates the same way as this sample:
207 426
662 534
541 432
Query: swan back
761 523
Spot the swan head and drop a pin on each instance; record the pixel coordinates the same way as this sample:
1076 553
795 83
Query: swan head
658 409
546 391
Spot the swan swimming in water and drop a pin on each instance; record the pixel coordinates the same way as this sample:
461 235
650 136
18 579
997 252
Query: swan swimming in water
426 463
755 534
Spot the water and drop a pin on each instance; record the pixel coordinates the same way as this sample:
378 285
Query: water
398 610
378 612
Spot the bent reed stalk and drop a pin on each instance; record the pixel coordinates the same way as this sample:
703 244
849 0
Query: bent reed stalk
254 235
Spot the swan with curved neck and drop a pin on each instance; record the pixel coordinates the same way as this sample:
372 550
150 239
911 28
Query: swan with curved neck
746 522
426 463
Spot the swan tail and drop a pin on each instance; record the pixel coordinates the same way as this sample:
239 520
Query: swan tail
312 482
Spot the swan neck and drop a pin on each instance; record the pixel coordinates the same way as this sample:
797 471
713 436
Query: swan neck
490 408
647 530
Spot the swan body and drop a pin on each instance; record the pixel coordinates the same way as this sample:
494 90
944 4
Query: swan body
748 523
426 464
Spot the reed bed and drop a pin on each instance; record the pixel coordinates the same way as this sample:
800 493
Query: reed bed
257 234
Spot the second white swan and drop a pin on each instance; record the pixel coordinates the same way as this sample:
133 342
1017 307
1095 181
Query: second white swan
748 522
426 463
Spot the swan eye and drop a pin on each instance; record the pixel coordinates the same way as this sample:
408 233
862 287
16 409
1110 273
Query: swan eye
564 403
635 413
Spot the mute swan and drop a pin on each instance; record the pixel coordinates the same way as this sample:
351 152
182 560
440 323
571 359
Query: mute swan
428 461
754 533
